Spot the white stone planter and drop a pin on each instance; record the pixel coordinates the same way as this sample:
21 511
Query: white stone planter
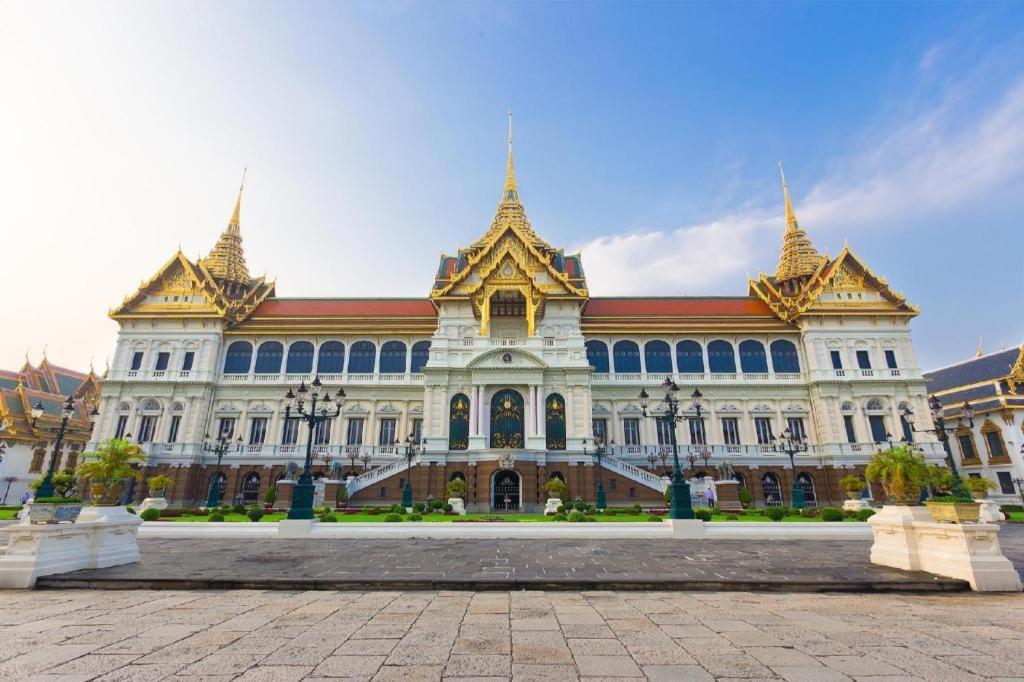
552 505
458 505
856 505
153 503
989 511
52 512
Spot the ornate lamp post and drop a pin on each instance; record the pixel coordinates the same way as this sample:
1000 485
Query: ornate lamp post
302 497
942 432
705 454
681 507
651 459
365 459
792 443
353 455
598 452
219 447
663 456
691 457
412 449
67 410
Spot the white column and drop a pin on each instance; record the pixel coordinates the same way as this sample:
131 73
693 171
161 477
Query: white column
474 398
570 413
531 411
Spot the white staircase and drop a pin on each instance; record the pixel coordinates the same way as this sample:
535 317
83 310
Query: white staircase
357 483
634 473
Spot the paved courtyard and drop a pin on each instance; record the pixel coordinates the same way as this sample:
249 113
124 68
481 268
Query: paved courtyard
278 635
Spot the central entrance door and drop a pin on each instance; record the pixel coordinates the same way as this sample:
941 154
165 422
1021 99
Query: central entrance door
506 493
507 417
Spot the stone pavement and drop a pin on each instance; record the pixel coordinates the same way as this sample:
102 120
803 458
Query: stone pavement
70 635
794 565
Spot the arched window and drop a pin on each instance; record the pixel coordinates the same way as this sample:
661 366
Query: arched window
626 356
458 423
361 358
239 358
597 356
721 359
690 357
420 355
557 476
219 481
658 357
741 482
752 357
457 476
784 357
806 484
300 358
554 421
251 487
507 420
392 357
332 358
770 490
874 404
268 357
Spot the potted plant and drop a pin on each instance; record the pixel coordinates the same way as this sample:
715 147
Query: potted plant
745 497
108 467
342 501
158 485
979 487
63 506
270 497
853 485
456 492
558 493
940 480
901 472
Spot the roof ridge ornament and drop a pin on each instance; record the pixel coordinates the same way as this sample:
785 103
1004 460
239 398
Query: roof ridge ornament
510 192
799 259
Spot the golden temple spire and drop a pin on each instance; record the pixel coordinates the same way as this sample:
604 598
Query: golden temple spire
235 224
510 193
981 347
226 261
799 258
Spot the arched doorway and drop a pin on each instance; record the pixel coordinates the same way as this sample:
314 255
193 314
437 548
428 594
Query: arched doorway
507 418
770 490
219 481
806 484
506 487
250 488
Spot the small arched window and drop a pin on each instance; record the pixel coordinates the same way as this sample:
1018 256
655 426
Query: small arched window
690 357
300 358
626 356
721 359
332 358
268 357
874 404
362 357
392 357
597 356
752 357
420 355
784 357
239 358
658 357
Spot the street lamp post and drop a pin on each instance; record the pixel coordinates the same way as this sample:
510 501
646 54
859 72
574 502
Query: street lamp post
692 457
792 443
302 496
412 448
651 459
942 432
599 453
365 459
219 447
67 410
681 507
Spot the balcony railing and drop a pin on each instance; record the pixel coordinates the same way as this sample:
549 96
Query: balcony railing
354 378
159 375
691 378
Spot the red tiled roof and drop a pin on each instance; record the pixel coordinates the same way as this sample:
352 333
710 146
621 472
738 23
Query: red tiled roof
648 307
346 307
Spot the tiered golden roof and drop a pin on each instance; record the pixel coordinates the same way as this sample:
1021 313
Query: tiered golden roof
799 258
226 262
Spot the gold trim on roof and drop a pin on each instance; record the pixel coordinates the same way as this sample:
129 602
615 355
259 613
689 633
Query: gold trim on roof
799 258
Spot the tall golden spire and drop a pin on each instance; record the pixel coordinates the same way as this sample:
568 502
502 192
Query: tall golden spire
226 261
799 258
510 193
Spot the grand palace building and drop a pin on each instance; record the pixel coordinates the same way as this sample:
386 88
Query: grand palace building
508 373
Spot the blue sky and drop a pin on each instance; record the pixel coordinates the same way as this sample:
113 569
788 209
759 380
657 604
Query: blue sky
646 135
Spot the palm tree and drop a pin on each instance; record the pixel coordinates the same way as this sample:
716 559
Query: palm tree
901 471
107 467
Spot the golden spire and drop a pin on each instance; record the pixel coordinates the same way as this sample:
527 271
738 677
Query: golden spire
510 193
226 261
799 258
981 347
235 224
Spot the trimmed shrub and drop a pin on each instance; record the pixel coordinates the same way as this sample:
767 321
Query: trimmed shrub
576 516
702 514
328 518
150 514
130 509
561 509
271 495
225 509
745 496
610 512
775 513
831 514
865 514
447 508
320 511
810 512
238 509
216 517
580 506
393 518
419 507
254 513
415 517
1007 508
373 511
366 508
559 517
653 517
637 509
849 513
436 504
396 509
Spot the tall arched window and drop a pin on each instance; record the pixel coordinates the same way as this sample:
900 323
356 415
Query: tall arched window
250 488
458 422
806 484
507 420
219 481
420 355
720 358
597 356
770 490
392 357
300 358
361 357
658 357
626 356
268 357
752 357
554 421
332 358
784 357
690 357
239 358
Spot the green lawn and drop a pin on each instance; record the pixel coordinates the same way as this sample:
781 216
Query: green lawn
1016 517
519 518
8 514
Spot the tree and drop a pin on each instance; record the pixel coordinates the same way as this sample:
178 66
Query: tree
108 466
556 487
455 488
901 471
65 483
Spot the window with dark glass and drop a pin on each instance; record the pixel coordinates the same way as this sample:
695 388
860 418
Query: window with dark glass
837 359
721 359
162 359
890 359
420 355
290 431
458 422
689 357
362 357
1005 482
664 432
300 358
863 359
331 359
600 427
613 483
354 435
697 434
269 357
172 432
387 432
554 422
878 430
257 431
658 357
137 359
597 356
392 358
238 358
417 430
226 427
631 431
122 424
626 357
785 359
994 441
186 362
851 433
322 432
752 357
763 429
908 432
146 428
796 427
730 431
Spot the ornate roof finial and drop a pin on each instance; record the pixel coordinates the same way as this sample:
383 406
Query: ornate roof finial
226 261
799 258
981 348
235 224
510 193
791 223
